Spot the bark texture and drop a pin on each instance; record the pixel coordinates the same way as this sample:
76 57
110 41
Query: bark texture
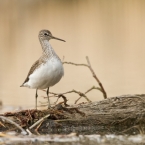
118 115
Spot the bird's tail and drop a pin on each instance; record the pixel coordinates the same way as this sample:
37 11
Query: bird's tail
22 85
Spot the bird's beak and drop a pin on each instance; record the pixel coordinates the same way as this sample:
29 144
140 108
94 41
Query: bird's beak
57 38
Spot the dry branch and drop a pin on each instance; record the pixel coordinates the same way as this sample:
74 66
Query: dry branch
93 73
13 123
68 92
92 88
39 121
64 98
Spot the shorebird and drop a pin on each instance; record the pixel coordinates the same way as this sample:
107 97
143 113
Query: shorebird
47 70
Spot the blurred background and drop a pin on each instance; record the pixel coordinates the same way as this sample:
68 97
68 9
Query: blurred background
110 32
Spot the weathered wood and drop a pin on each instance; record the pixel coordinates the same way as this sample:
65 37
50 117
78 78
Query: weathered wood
123 114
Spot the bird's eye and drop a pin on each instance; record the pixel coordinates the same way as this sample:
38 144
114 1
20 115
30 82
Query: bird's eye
45 34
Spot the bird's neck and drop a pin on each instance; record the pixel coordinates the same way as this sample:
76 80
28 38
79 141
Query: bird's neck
47 48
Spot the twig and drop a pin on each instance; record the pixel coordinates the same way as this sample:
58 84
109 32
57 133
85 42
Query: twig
73 91
80 93
92 88
65 62
78 99
88 92
30 115
64 98
12 122
29 132
93 73
2 124
36 130
39 121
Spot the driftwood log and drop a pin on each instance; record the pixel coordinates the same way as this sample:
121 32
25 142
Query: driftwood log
118 115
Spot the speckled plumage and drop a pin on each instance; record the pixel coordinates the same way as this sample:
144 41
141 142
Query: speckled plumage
48 69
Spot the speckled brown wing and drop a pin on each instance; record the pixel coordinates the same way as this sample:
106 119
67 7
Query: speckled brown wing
33 68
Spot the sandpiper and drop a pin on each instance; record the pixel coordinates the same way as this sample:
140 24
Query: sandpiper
47 70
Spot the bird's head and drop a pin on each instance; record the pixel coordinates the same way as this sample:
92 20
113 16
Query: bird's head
47 35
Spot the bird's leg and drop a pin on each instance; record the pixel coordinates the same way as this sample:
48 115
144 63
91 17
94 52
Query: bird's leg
36 99
48 98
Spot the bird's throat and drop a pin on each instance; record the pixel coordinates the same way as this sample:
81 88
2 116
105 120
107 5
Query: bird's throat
47 48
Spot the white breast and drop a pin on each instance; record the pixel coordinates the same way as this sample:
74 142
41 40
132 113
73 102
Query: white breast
46 75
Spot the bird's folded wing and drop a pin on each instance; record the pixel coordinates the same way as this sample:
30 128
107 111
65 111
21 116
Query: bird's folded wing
33 68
